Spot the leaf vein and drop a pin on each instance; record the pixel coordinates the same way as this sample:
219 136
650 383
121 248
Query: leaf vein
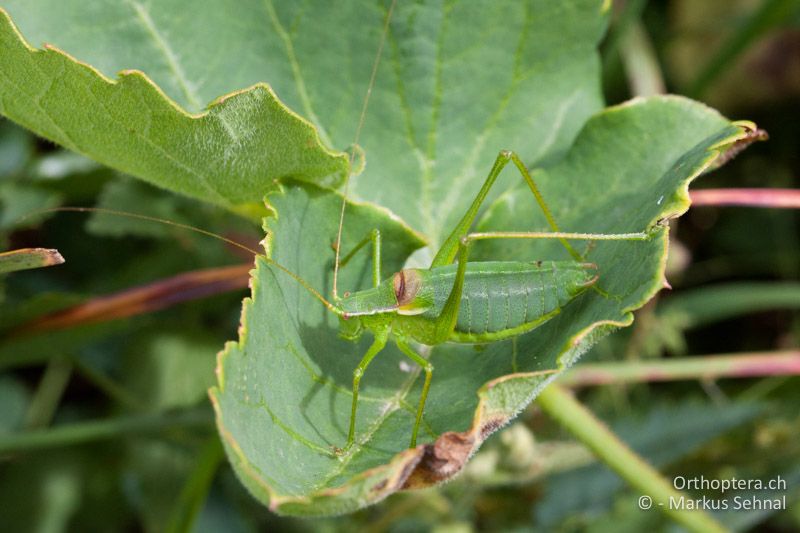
410 136
296 72
450 202
396 403
172 59
37 102
288 430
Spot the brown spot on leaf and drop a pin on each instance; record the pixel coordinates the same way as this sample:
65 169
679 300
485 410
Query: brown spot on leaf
397 481
442 459
751 136
405 473
491 426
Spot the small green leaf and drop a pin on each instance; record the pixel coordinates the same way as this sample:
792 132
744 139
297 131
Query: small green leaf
27 258
16 147
15 398
149 201
170 370
19 200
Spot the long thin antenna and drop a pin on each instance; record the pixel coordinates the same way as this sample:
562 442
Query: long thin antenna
69 209
201 231
361 118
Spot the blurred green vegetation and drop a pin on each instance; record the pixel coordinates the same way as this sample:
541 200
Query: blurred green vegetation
157 463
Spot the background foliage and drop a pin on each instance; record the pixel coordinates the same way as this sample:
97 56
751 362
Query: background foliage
159 464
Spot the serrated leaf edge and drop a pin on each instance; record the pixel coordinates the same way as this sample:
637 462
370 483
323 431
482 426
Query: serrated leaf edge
388 478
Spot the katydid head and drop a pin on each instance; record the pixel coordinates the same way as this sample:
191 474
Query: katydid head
367 309
380 299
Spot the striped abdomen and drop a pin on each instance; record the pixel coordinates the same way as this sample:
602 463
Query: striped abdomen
504 299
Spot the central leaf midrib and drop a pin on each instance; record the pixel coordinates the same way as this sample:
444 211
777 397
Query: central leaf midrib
470 164
162 46
172 63
297 74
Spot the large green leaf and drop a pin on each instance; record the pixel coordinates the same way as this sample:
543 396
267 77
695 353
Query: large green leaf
284 392
229 154
457 83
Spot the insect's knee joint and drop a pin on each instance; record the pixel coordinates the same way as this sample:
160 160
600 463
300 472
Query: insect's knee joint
506 154
357 373
428 368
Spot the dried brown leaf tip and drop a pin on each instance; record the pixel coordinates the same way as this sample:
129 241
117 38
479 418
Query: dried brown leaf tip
735 148
399 479
442 459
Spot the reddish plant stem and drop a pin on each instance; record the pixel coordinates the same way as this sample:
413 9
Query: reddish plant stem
747 365
775 198
145 298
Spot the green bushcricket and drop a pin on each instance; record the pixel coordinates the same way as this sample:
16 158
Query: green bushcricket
455 300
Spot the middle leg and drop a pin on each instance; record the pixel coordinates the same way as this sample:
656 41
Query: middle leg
377 346
428 368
